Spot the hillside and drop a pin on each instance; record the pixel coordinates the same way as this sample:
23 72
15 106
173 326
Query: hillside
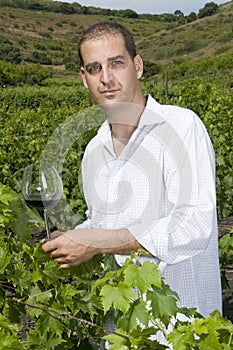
54 36
51 38
200 39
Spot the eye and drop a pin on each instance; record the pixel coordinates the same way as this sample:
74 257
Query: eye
117 62
94 69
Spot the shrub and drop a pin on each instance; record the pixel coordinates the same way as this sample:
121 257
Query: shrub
11 74
10 53
39 57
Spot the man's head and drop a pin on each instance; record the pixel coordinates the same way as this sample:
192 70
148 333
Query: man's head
111 69
108 28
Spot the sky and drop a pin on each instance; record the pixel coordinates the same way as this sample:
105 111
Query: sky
149 6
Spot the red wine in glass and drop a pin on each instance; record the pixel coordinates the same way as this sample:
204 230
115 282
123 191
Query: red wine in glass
42 189
41 203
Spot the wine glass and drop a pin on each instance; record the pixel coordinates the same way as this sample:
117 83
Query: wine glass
42 189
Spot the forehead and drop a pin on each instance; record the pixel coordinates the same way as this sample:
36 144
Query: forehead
102 48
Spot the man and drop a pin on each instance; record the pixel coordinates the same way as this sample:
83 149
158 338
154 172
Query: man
148 177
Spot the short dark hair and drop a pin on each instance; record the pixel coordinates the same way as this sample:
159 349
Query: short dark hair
105 28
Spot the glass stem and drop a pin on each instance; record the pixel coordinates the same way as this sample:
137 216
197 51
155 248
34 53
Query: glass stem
46 219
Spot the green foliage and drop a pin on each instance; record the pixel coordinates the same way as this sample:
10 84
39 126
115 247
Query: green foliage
11 219
10 53
11 74
31 284
42 305
226 249
29 116
150 69
72 61
226 256
209 9
211 35
4 40
9 334
70 309
23 138
6 197
140 315
220 65
38 57
203 334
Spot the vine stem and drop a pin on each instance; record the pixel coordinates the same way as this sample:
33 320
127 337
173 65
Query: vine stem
230 338
71 317
78 319
160 327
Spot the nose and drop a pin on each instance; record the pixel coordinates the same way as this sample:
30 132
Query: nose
106 77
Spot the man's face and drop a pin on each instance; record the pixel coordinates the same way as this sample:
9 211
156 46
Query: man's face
109 72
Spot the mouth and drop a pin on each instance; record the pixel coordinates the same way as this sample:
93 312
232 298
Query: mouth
109 92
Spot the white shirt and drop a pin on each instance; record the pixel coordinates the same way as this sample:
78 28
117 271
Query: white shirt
162 189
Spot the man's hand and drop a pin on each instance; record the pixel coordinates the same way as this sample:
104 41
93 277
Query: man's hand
77 246
67 251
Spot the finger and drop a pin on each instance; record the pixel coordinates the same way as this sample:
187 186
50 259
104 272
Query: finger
49 246
63 264
54 254
67 264
53 235
56 234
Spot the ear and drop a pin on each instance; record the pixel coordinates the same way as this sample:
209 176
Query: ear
83 76
138 63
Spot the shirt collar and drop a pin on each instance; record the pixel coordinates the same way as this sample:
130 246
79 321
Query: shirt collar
151 115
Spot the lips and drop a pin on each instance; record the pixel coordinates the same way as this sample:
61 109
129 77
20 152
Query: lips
108 92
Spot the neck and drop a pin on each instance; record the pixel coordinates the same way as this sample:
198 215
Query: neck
122 131
123 124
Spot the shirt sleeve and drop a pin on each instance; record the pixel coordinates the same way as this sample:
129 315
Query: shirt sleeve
188 216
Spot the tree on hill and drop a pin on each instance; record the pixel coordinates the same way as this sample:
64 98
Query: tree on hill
67 9
179 13
180 16
128 13
209 9
191 17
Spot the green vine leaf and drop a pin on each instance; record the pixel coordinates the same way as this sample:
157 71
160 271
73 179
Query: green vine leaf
211 342
137 313
163 302
9 334
143 276
40 341
7 325
5 259
119 343
182 338
51 325
36 298
117 296
23 219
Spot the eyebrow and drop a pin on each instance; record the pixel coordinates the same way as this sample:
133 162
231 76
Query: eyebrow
111 59
116 58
